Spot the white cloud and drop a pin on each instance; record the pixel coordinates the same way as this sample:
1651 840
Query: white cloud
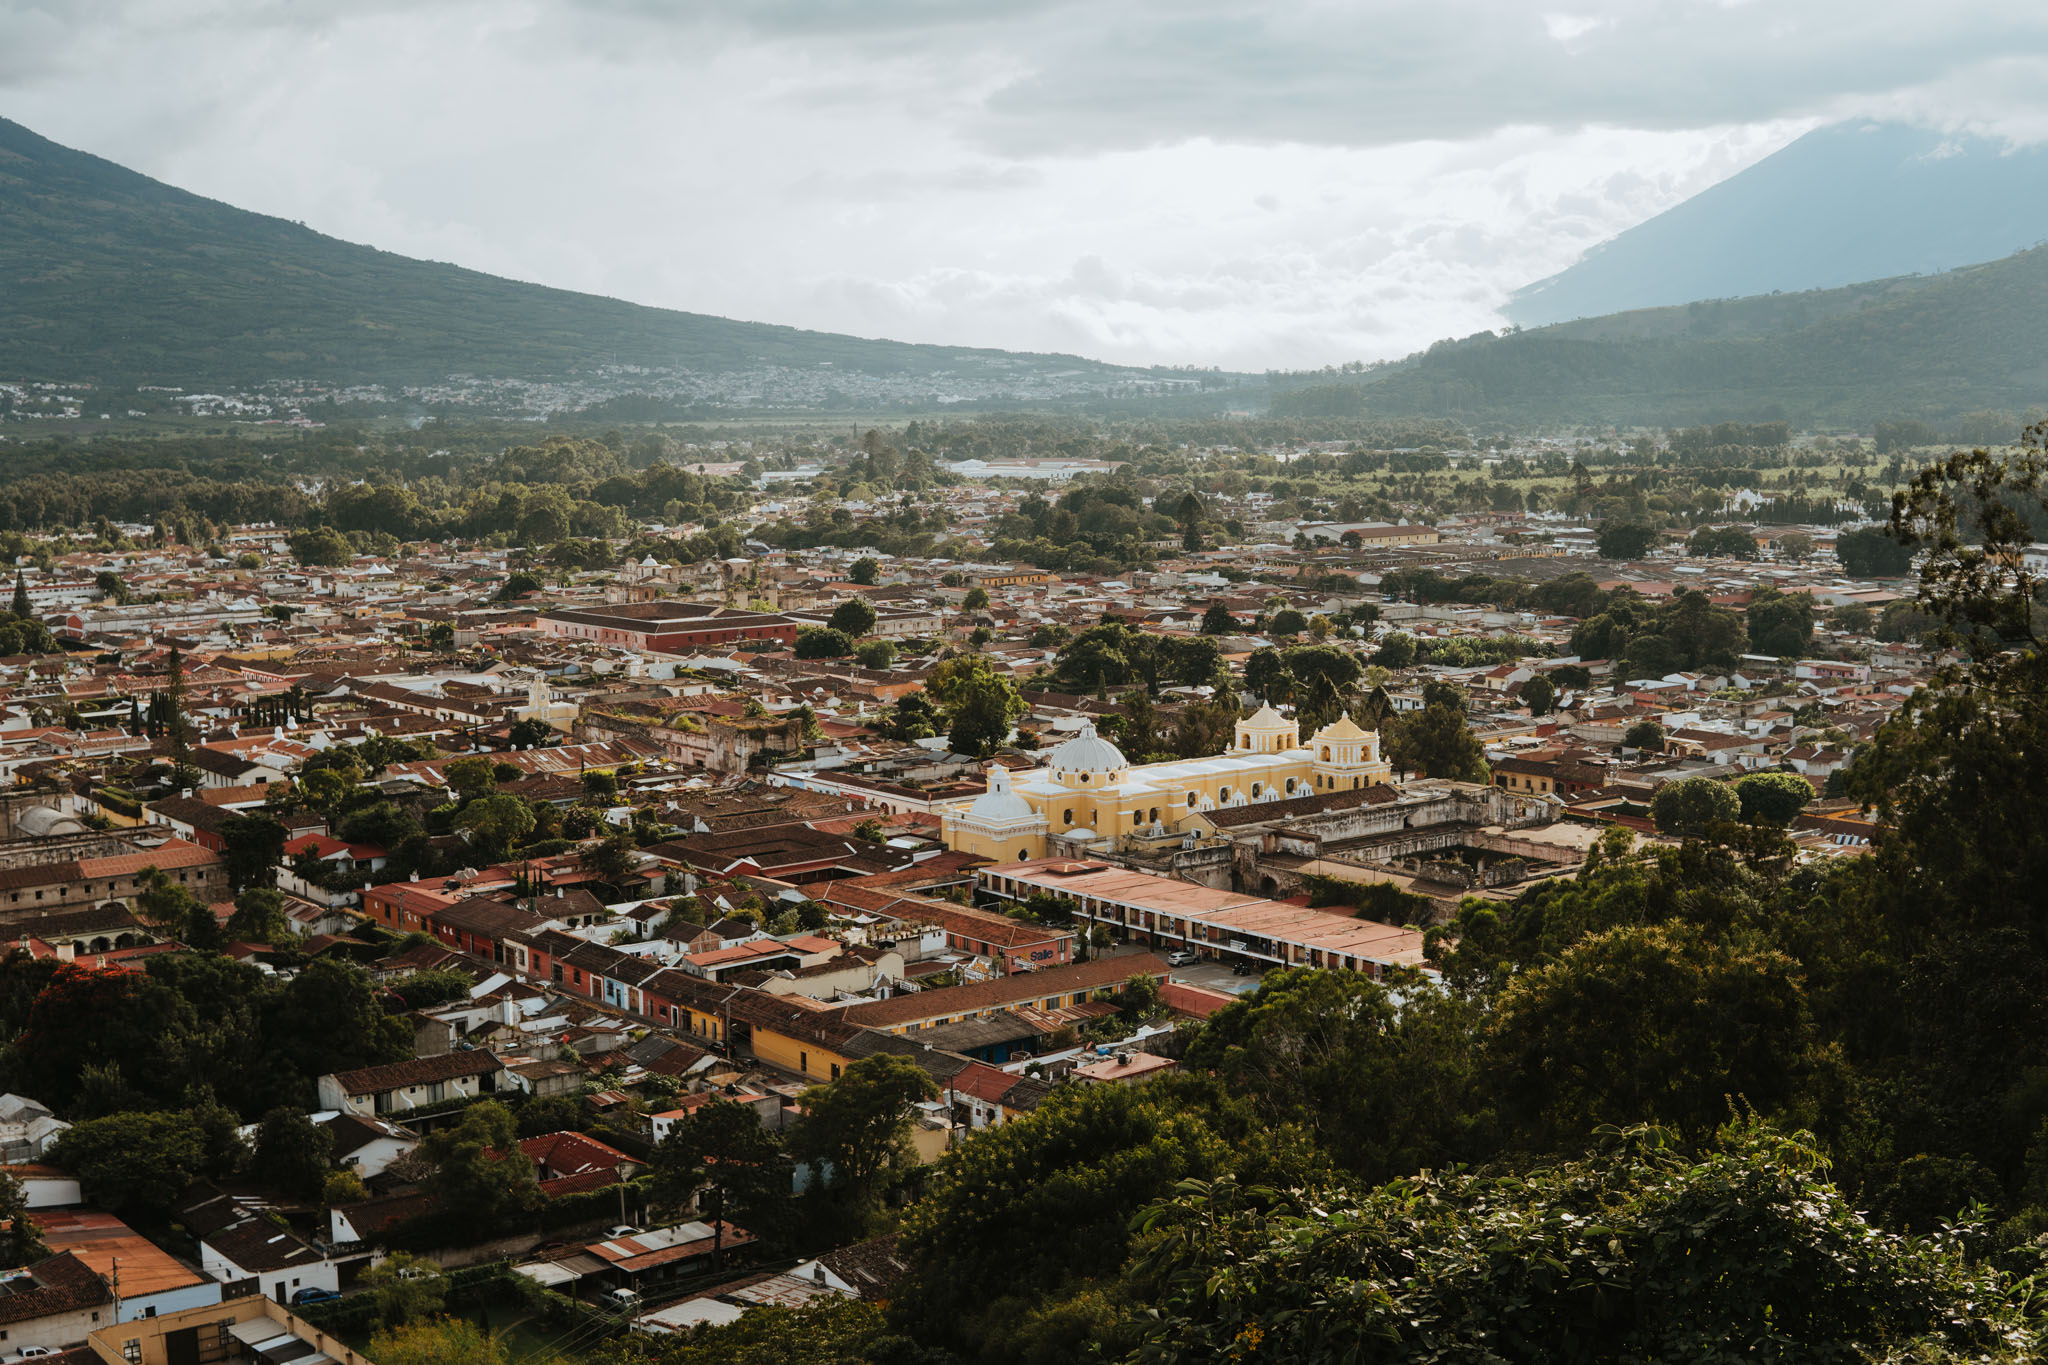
1157 180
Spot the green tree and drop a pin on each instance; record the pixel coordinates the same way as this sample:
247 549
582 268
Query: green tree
1325 677
1139 725
1039 1203
425 989
252 846
1538 695
1694 632
517 585
325 789
722 1150
1625 539
1396 651
1437 742
1745 1242
1781 624
823 643
112 587
21 608
531 734
613 858
259 917
1729 542
1655 1023
1692 807
1288 622
343 1187
1873 552
865 571
860 1123
178 729
495 823
1217 620
1773 798
853 618
830 1330
1644 734
915 716
442 1341
1383 1091
21 1238
171 909
407 1288
975 600
321 547
293 1154
876 654
479 1172
1266 675
327 1018
981 703
469 777
139 1161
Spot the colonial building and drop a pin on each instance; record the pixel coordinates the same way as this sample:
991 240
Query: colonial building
1087 795
666 627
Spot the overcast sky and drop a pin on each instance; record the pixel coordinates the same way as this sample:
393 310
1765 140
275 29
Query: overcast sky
1282 183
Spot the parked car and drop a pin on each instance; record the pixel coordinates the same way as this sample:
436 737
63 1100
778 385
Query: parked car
34 1353
624 1300
313 1294
1180 957
622 1230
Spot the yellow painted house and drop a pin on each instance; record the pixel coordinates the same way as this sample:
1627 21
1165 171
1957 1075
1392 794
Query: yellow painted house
1088 796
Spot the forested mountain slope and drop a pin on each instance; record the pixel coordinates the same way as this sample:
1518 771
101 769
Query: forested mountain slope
1930 347
109 276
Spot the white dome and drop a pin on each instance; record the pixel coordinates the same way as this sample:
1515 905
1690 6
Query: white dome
1088 752
999 805
42 821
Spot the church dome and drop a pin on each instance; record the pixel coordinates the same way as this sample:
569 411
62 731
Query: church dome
1088 752
999 805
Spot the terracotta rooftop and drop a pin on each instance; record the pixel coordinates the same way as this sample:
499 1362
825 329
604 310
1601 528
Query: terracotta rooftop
98 1239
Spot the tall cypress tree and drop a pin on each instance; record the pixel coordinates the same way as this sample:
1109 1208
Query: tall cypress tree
21 607
176 728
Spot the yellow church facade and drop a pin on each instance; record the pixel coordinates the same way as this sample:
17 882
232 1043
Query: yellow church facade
1088 795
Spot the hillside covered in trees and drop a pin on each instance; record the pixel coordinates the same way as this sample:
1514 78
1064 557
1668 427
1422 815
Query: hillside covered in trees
111 277
1920 347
